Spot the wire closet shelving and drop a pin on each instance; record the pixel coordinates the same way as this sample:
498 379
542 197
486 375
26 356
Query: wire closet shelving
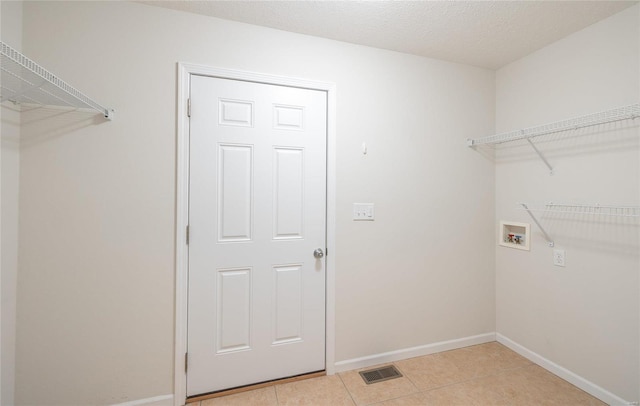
23 81
579 210
629 112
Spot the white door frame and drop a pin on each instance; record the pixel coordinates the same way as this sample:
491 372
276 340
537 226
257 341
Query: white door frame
185 70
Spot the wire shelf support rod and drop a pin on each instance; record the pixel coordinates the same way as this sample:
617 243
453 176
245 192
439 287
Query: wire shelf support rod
550 241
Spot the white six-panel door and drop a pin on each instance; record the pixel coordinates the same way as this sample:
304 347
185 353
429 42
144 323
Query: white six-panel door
257 212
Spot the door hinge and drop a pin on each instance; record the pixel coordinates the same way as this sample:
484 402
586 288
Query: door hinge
187 235
189 107
186 361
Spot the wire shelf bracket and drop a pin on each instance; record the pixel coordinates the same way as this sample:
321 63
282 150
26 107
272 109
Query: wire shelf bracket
550 241
23 81
629 112
540 155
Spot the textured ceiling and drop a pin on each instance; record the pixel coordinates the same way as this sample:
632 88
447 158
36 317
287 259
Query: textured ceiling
489 34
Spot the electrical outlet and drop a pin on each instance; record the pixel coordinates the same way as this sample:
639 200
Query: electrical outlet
558 257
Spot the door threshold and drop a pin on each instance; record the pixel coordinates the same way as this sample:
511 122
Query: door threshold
240 389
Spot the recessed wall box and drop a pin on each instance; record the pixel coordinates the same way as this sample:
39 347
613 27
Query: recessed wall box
515 235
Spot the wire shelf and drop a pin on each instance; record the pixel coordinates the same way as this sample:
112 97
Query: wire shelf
25 82
588 209
609 116
581 210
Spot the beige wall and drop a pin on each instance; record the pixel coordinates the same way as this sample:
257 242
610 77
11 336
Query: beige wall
11 17
583 317
96 291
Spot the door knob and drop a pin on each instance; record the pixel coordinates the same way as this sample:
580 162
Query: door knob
318 253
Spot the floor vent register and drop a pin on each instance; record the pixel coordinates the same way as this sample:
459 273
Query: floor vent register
380 374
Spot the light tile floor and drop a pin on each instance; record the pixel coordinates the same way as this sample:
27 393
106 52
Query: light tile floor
486 374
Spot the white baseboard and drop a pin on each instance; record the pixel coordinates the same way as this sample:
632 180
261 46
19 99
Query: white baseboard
398 355
412 352
165 400
587 386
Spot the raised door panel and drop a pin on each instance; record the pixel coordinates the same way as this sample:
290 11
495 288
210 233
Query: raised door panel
288 192
233 315
287 304
235 192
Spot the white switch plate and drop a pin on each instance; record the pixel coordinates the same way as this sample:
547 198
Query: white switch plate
558 257
363 211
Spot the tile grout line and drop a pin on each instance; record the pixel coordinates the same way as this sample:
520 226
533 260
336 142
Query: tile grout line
386 400
470 380
408 379
450 384
475 378
347 389
275 389
498 372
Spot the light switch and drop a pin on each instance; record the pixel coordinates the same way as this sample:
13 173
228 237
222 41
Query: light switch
363 211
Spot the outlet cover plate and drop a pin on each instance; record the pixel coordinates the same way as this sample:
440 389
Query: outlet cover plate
558 258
